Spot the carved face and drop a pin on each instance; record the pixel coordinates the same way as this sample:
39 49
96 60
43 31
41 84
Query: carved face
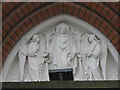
62 28
91 38
36 38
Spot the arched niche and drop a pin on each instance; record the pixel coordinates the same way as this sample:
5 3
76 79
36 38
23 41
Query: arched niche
10 70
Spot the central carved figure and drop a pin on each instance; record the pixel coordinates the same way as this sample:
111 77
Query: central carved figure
62 47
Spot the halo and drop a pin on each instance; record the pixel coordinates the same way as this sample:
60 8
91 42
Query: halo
34 37
59 26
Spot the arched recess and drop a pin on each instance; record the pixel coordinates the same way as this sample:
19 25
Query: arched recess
112 64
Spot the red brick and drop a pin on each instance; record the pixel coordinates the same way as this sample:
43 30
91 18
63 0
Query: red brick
112 34
5 9
10 5
92 18
117 46
116 25
6 26
0 15
50 11
99 7
25 10
29 24
44 14
117 7
19 32
7 47
23 27
103 26
82 12
105 11
114 20
65 7
34 20
3 4
20 13
70 9
3 60
87 3
10 21
113 5
0 61
30 6
100 19
37 4
14 35
1 49
76 11
15 18
5 53
110 15
10 40
97 22
0 39
93 5
61 7
87 15
16 3
115 40
56 9
3 33
108 30
3 14
39 16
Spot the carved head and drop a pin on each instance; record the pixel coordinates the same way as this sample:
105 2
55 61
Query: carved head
35 38
62 28
92 37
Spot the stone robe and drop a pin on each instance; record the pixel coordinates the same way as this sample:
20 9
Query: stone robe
33 60
62 50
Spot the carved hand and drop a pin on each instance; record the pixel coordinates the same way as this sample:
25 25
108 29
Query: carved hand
45 54
89 54
32 54
47 60
71 55
78 54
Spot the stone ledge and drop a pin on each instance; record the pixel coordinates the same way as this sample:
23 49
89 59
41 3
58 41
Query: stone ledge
61 84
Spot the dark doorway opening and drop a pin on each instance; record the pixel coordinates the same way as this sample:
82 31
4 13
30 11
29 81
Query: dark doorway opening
61 75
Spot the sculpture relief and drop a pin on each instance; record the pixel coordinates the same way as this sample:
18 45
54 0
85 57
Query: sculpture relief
33 58
93 55
63 50
34 53
93 60
62 47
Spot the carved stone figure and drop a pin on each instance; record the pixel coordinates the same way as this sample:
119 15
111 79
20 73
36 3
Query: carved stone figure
22 55
33 64
44 67
33 52
92 58
43 60
62 48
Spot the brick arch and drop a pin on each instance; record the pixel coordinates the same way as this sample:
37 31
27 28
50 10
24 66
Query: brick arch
28 15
